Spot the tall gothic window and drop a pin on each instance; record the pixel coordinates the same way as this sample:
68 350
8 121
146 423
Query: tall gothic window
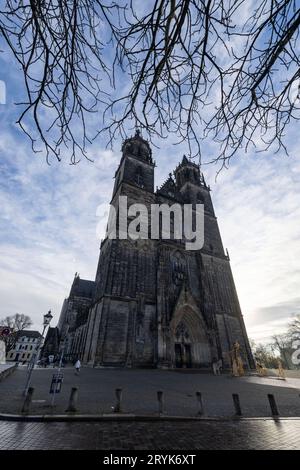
178 265
139 178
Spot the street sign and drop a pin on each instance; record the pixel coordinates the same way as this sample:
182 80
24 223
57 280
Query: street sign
56 383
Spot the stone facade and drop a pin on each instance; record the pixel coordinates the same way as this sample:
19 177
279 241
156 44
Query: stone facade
72 324
51 345
155 303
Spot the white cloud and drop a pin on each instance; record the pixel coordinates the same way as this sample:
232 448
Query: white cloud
259 210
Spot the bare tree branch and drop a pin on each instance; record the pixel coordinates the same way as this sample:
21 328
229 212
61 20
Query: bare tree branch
15 323
195 69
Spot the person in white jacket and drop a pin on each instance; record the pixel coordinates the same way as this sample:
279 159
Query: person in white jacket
77 366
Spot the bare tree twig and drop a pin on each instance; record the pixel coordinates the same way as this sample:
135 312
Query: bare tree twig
195 69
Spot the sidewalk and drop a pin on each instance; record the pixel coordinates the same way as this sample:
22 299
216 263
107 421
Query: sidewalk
96 393
6 370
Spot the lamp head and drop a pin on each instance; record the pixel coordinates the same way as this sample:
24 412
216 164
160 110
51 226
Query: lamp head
47 318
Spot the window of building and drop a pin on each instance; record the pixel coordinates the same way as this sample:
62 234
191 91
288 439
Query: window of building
139 178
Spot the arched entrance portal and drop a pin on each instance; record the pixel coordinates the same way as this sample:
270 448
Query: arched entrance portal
190 346
183 356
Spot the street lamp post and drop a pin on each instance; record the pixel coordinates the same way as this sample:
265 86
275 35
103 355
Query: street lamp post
59 369
47 319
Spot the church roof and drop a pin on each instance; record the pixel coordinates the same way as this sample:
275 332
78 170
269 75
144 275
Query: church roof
27 334
51 343
82 287
169 188
169 183
52 335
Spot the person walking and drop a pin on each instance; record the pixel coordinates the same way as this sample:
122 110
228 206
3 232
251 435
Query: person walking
77 366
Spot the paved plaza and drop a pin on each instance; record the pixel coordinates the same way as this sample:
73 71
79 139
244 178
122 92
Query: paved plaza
96 392
114 435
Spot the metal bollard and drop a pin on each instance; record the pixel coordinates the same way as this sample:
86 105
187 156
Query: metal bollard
118 407
160 398
273 405
237 405
73 400
27 401
200 403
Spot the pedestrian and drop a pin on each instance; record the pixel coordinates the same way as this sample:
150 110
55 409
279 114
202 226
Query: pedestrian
214 365
77 366
217 366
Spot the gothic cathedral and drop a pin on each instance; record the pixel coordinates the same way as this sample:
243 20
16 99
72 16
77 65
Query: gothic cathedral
156 304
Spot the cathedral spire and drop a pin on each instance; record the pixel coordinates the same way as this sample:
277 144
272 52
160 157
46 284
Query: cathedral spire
184 160
187 172
137 147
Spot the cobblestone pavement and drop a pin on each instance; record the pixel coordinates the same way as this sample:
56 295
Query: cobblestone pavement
96 392
248 434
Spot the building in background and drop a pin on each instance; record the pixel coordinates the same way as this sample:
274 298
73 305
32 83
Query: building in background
26 343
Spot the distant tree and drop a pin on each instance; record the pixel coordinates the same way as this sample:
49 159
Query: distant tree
294 329
192 65
282 343
17 322
265 355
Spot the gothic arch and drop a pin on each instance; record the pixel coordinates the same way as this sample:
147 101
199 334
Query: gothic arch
194 342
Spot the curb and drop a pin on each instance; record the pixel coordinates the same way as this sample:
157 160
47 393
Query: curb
6 372
132 417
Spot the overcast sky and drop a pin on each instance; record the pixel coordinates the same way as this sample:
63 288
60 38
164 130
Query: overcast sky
48 220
